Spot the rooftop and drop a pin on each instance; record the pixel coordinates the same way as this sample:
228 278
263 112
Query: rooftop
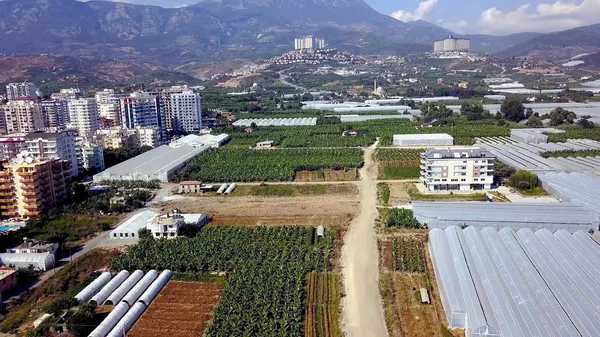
6 272
425 136
34 244
136 222
457 153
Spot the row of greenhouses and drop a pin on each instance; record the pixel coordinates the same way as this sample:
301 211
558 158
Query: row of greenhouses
277 122
518 283
131 294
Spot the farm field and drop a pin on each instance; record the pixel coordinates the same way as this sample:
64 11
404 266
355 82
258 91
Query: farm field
313 210
265 294
274 190
323 306
402 275
182 309
246 165
573 133
398 163
571 153
327 175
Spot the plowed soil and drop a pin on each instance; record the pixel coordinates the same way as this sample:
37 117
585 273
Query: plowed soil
182 309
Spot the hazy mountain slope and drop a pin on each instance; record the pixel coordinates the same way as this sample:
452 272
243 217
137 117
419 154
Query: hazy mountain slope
558 46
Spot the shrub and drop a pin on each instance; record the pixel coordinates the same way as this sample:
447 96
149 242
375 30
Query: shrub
524 180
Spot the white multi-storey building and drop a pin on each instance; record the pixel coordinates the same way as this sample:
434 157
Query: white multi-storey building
21 116
61 145
19 90
309 42
71 93
451 44
168 225
149 137
187 111
90 155
109 107
55 113
83 115
140 109
457 169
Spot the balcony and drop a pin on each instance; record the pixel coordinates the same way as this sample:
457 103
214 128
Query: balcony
31 201
4 174
6 194
7 187
8 207
31 214
10 214
26 174
27 180
32 208
30 188
29 194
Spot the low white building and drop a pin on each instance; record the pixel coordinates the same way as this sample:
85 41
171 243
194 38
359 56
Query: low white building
201 141
168 225
457 169
423 140
129 229
90 155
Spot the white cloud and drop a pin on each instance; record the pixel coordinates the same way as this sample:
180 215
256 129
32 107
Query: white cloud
543 18
424 8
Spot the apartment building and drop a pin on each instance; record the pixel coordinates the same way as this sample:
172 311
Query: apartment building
141 109
70 93
19 90
168 225
83 115
109 107
117 138
186 111
457 169
20 116
29 186
61 145
11 146
55 112
150 137
90 155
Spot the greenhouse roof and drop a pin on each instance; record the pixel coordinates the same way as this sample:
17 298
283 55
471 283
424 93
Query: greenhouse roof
570 216
516 283
577 188
425 136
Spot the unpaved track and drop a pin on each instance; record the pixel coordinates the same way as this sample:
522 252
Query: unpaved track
363 308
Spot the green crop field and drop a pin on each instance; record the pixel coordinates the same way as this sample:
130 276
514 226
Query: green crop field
245 165
266 292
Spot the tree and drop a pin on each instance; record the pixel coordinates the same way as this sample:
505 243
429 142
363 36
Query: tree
513 110
82 322
502 171
524 180
534 122
145 234
561 116
528 113
474 112
586 123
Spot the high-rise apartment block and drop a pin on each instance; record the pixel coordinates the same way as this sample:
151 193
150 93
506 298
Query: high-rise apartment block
71 93
186 111
29 187
83 115
141 109
451 44
20 90
109 107
90 155
21 116
309 42
55 113
457 169
150 137
61 145
11 146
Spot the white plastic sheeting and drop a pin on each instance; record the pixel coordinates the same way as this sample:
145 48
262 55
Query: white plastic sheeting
124 288
575 188
307 121
231 188
423 140
93 287
110 321
134 294
222 189
579 254
110 287
569 216
522 283
591 245
125 324
153 290
579 309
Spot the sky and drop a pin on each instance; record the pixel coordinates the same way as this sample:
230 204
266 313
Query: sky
477 16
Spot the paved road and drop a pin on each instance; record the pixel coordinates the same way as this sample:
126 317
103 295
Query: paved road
363 309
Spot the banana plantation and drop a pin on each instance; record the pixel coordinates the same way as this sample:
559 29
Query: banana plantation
265 294
246 165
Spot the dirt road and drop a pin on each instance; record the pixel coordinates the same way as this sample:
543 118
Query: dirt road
363 309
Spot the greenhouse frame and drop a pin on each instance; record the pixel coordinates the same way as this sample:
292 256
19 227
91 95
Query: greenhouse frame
515 283
423 140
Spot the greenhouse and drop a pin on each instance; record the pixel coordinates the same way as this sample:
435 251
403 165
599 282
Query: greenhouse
40 261
307 121
577 188
423 140
512 283
554 216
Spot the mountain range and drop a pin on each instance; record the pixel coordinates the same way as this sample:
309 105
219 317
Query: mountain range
218 29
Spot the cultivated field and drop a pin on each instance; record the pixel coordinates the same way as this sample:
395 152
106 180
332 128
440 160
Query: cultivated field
398 163
322 306
405 269
334 209
182 309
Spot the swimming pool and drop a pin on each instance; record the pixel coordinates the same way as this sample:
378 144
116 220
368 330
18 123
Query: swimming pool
8 228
